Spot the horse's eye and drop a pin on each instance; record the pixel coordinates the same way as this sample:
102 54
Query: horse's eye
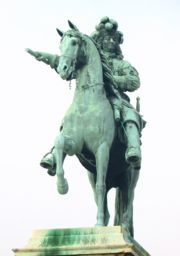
74 41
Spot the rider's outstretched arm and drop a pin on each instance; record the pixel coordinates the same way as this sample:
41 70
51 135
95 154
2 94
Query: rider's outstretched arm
49 59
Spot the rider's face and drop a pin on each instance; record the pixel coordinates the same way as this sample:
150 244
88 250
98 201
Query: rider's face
109 44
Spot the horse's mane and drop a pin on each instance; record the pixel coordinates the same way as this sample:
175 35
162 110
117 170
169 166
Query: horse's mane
107 73
108 79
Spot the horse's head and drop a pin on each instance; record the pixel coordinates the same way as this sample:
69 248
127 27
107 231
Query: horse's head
73 52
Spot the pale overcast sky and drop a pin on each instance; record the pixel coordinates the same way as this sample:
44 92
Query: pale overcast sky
34 99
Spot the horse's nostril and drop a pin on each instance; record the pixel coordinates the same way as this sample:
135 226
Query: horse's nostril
65 68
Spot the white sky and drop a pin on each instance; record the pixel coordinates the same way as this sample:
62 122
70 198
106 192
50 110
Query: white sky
33 100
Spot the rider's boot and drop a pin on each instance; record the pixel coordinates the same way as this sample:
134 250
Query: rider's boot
133 152
48 162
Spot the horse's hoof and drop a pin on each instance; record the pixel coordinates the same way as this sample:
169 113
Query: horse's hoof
63 188
99 224
126 231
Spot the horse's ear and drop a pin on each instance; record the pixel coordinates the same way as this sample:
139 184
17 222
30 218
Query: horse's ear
60 32
72 26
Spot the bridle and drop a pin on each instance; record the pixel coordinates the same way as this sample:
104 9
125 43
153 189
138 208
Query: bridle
74 60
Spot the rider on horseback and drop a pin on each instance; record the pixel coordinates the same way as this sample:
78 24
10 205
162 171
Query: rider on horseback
125 78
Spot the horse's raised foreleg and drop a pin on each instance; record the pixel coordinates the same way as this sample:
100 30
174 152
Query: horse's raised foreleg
102 159
59 154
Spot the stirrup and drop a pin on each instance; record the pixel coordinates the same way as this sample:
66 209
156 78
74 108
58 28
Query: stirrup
48 161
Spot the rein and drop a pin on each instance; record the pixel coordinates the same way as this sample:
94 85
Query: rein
87 86
73 60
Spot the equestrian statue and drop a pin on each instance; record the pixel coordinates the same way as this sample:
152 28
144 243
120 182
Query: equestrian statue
101 127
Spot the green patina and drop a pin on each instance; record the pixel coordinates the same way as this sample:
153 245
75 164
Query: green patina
101 127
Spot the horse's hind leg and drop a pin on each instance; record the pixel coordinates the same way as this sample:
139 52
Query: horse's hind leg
102 159
62 184
128 197
118 208
92 179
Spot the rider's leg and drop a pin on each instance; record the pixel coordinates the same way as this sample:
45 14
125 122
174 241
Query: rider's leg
133 152
116 105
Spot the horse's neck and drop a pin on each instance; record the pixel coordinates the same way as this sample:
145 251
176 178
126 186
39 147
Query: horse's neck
91 73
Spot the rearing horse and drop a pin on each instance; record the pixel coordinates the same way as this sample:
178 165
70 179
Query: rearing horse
89 120
90 132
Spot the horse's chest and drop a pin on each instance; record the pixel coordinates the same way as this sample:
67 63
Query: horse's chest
83 114
85 120
89 125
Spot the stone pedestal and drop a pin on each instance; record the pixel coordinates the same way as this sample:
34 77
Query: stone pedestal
81 241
